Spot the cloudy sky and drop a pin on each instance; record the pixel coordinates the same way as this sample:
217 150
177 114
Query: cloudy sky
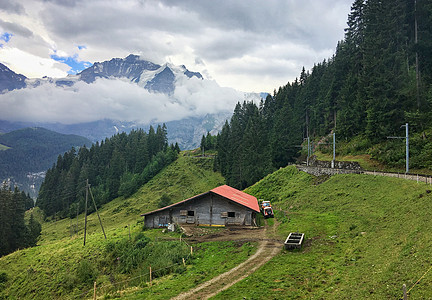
238 45
245 44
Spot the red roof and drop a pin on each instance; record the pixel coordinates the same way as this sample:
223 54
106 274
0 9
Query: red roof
226 192
237 196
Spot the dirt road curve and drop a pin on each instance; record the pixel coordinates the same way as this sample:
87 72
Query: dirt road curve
266 250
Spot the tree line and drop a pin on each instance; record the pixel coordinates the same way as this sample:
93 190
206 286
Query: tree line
379 78
15 231
115 167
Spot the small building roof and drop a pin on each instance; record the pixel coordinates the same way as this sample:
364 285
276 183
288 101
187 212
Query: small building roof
237 196
225 191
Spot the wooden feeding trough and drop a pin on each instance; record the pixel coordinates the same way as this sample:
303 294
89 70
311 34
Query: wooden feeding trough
294 240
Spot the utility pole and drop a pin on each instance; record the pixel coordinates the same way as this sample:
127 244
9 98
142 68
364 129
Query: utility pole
406 137
85 211
334 150
407 147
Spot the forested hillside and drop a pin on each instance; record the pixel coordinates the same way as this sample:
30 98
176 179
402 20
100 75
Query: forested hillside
116 167
15 232
379 79
33 150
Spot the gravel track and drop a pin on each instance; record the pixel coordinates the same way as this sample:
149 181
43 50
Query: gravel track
267 249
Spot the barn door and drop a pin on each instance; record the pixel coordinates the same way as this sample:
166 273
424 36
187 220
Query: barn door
163 221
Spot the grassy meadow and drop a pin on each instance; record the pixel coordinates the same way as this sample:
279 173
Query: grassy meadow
365 237
60 267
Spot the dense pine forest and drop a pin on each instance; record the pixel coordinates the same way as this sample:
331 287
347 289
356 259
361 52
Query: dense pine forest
15 232
115 167
379 79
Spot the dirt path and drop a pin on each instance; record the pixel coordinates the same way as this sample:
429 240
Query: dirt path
267 249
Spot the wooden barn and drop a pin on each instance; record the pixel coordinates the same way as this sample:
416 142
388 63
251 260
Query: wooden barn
220 206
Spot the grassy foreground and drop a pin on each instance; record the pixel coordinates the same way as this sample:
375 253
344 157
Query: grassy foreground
366 237
61 268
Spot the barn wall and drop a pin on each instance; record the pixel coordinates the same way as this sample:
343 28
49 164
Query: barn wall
208 209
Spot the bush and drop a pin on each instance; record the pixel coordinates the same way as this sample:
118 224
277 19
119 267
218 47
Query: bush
132 256
165 200
86 272
3 277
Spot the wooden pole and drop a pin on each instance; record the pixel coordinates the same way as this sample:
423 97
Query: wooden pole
85 213
191 251
94 203
150 276
94 291
184 263
405 296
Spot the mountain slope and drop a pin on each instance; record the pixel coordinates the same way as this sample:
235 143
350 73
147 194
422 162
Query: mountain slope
153 77
54 265
32 150
365 237
354 225
9 80
131 67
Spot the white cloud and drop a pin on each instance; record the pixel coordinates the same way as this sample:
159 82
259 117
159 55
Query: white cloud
31 65
115 99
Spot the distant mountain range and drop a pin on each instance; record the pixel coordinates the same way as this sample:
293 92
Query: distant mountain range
157 79
153 77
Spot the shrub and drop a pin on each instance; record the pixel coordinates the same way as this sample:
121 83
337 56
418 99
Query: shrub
3 277
165 200
86 272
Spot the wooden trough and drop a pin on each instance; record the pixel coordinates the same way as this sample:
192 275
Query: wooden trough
294 240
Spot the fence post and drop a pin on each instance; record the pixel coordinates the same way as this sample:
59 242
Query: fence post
405 296
94 291
150 276
191 251
184 263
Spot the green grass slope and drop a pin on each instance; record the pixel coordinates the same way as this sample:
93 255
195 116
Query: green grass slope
366 237
61 268
186 177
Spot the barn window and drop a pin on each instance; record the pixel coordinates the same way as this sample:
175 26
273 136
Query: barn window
183 213
231 214
224 214
191 213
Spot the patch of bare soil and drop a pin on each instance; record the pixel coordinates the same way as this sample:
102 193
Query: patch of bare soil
267 249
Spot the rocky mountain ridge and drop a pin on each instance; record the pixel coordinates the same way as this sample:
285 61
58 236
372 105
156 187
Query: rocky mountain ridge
9 80
156 79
